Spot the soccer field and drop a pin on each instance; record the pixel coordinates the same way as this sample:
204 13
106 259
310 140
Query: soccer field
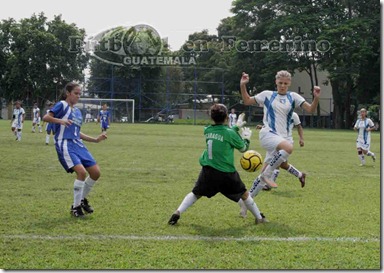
147 169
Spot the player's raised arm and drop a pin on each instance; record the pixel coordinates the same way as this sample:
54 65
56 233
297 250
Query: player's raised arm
311 108
243 88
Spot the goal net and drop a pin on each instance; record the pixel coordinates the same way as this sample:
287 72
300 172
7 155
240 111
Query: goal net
121 110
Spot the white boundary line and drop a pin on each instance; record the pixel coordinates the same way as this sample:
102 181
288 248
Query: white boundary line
186 238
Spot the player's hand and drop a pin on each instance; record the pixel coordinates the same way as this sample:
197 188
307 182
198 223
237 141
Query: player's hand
101 137
240 121
316 91
66 122
246 133
244 78
301 142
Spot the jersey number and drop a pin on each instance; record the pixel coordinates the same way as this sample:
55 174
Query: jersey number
210 144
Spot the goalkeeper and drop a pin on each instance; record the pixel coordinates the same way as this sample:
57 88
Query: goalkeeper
218 173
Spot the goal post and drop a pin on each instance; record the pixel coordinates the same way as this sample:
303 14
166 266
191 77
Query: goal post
121 110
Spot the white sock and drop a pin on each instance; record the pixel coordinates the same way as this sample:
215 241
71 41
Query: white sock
370 153
18 135
47 139
188 201
292 170
88 184
279 157
275 175
40 129
252 207
257 186
78 187
33 128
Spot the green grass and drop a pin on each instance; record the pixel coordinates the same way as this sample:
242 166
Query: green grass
146 172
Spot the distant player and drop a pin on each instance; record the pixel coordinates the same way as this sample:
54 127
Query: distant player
17 120
232 118
364 126
36 118
50 127
72 153
104 118
88 116
218 173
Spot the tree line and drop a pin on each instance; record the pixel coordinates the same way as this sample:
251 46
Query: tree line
261 37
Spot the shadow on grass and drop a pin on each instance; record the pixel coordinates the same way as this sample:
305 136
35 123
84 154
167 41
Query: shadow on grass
215 231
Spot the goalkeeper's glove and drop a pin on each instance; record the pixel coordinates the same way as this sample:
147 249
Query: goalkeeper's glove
240 121
246 133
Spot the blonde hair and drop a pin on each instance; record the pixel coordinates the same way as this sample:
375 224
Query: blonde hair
283 74
363 110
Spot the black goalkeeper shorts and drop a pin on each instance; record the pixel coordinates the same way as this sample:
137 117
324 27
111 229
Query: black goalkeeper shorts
212 181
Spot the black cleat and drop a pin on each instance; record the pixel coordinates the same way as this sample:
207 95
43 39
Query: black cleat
86 206
302 180
174 219
77 212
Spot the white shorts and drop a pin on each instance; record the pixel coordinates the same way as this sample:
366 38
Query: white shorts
365 146
270 141
17 125
36 120
88 116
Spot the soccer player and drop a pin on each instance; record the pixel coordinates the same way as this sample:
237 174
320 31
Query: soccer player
88 116
257 185
232 118
278 109
72 153
104 118
50 127
295 122
218 173
364 126
17 120
36 118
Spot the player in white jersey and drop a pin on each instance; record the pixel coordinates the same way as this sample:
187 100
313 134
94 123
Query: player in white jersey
294 122
36 118
72 153
17 120
232 118
278 109
364 126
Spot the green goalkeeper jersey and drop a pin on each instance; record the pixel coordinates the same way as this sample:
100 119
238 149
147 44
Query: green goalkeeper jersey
221 142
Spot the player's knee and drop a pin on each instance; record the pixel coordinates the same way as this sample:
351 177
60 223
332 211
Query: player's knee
245 195
359 152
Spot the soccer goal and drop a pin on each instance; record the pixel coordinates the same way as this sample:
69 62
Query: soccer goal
121 110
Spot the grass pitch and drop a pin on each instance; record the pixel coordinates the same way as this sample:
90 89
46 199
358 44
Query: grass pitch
332 223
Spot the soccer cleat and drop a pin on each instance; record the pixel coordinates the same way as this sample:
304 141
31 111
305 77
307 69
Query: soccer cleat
77 212
266 188
302 180
243 212
86 206
262 220
267 181
174 218
373 157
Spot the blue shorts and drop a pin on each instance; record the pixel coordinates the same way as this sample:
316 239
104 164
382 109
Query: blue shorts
50 128
72 152
104 125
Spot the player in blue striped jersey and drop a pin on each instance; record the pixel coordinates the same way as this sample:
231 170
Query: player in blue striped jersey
278 110
364 126
104 117
72 153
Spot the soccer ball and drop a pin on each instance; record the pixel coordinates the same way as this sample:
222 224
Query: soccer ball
251 161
